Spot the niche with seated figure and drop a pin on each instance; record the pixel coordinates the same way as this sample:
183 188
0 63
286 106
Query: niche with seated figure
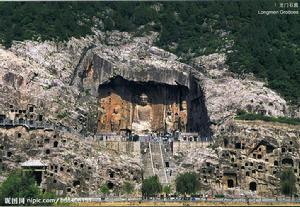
145 107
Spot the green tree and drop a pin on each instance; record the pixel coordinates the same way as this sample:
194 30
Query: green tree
127 188
288 182
187 183
104 189
167 190
20 186
151 186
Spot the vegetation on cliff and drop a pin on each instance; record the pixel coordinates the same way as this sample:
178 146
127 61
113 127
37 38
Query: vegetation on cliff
127 188
21 186
288 182
187 183
104 189
266 45
243 115
151 187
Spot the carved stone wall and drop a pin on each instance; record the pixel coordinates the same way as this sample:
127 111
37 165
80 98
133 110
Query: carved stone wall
122 105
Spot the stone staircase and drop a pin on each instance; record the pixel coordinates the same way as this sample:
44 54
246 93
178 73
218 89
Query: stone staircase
168 161
147 161
153 161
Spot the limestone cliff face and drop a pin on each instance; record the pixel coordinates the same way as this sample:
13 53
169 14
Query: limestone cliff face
61 81
246 157
76 166
259 152
142 64
65 74
226 93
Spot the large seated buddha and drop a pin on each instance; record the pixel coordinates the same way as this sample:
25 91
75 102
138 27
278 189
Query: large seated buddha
143 116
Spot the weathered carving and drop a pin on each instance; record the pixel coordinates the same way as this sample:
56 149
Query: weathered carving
169 122
146 107
143 115
115 121
183 116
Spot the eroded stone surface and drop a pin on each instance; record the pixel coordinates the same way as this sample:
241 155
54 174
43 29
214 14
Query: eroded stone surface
63 82
76 166
247 158
226 92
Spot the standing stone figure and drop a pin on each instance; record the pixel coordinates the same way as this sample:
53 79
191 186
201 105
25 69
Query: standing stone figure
169 122
183 116
102 117
143 115
177 122
115 120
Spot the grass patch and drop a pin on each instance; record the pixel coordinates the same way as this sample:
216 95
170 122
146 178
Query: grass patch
243 115
63 114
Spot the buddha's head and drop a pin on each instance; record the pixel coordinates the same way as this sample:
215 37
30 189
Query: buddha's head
184 105
116 109
143 99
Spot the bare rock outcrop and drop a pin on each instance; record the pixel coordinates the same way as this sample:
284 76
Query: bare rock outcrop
79 66
226 93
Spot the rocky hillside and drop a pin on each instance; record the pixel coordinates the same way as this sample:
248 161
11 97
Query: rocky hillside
267 48
53 82
61 80
48 72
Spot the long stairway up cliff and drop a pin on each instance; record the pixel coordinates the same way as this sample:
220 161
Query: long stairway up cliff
158 162
153 161
148 169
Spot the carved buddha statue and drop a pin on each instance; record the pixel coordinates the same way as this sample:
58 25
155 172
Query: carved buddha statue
143 115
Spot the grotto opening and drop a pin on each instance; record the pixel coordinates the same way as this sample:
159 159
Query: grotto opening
149 107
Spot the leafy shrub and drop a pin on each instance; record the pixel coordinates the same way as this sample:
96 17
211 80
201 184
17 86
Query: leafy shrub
287 182
21 184
127 188
187 183
18 186
243 115
167 189
151 186
104 189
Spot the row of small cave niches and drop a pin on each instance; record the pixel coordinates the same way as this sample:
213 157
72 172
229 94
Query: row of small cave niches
16 115
29 109
54 171
248 169
48 142
262 148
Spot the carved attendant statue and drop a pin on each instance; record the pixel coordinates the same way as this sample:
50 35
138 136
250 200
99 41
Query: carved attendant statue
115 121
143 115
102 117
169 122
183 116
177 122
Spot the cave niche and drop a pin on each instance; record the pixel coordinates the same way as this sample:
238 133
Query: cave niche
143 107
288 161
230 183
55 144
110 185
76 183
252 186
225 142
